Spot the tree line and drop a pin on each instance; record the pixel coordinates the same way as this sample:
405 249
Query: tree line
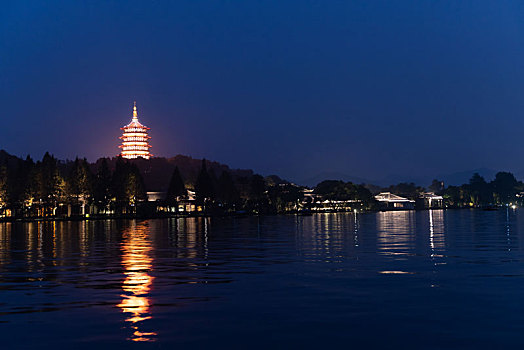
49 187
226 193
504 189
269 195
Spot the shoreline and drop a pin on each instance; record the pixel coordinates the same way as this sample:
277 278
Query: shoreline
236 215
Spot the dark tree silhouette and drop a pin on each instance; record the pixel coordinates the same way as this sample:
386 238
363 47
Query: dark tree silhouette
80 182
214 184
102 185
118 181
227 191
257 193
176 188
135 188
404 189
453 195
332 190
204 184
342 191
365 196
436 186
3 186
51 185
127 185
505 187
480 193
257 187
285 197
27 186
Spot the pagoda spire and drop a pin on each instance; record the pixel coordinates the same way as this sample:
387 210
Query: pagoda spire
135 113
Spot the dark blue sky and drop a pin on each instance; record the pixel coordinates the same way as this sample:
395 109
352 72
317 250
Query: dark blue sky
296 88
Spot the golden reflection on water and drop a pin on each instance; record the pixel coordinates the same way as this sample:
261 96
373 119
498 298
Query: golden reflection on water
5 243
137 262
396 234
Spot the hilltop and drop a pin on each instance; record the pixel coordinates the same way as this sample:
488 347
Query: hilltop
157 171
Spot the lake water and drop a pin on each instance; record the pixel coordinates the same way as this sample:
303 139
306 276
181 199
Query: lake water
428 279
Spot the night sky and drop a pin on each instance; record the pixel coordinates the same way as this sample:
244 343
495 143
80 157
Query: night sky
295 88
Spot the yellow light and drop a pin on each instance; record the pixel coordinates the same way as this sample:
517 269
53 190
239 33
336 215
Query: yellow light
137 261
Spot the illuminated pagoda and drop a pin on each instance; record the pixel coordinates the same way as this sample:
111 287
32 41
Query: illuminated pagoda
135 140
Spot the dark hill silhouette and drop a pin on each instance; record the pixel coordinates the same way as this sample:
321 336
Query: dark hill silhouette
8 159
157 171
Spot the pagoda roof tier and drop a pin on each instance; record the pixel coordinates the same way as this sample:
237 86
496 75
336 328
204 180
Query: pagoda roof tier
135 124
124 146
126 136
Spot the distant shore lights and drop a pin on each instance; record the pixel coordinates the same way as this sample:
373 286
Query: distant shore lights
135 140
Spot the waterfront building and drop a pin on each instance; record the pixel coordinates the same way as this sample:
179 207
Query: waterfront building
135 139
429 200
184 204
155 196
390 201
316 203
187 204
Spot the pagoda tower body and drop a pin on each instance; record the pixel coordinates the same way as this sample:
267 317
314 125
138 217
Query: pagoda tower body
135 140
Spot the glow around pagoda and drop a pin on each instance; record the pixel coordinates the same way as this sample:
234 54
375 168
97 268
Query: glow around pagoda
135 140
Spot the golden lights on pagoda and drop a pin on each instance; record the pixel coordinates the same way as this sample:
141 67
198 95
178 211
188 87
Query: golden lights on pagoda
135 140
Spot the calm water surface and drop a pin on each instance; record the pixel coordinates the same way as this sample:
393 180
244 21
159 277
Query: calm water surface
431 279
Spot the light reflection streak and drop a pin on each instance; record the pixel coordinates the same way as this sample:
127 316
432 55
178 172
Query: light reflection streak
84 240
40 249
355 231
436 230
396 232
394 272
137 262
5 243
437 241
327 236
54 242
508 237
30 238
